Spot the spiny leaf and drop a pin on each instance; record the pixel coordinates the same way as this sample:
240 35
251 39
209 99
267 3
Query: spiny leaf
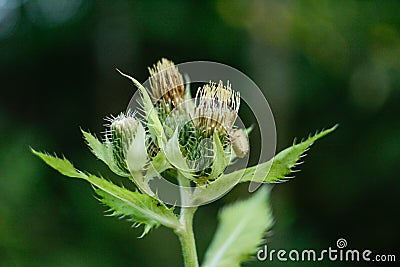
272 171
277 169
63 165
97 147
240 231
103 151
145 206
153 121
146 209
123 209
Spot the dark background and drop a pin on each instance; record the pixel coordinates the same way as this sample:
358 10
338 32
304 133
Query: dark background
317 62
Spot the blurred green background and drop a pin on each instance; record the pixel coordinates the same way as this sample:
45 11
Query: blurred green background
317 62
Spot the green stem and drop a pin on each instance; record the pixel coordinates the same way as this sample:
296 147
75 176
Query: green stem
185 234
186 238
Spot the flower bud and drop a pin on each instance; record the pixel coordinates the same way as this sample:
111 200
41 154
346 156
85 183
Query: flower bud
127 136
166 84
240 142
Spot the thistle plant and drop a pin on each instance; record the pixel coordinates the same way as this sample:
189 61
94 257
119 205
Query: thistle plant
189 142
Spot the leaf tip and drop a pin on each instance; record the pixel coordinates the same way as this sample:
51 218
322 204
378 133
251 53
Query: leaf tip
37 153
334 127
82 131
33 150
125 75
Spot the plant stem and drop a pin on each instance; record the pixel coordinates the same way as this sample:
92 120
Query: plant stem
186 238
185 234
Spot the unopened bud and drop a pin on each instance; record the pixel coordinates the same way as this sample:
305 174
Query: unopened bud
126 133
166 84
240 142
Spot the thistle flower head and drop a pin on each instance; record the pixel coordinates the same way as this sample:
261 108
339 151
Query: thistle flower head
123 127
166 83
216 108
124 132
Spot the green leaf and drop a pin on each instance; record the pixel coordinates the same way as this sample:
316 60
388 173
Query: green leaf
216 188
153 122
103 151
145 209
274 170
278 168
174 155
63 165
121 209
240 231
220 160
138 208
99 149
149 209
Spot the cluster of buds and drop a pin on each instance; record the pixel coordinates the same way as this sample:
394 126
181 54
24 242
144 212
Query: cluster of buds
175 138
189 142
